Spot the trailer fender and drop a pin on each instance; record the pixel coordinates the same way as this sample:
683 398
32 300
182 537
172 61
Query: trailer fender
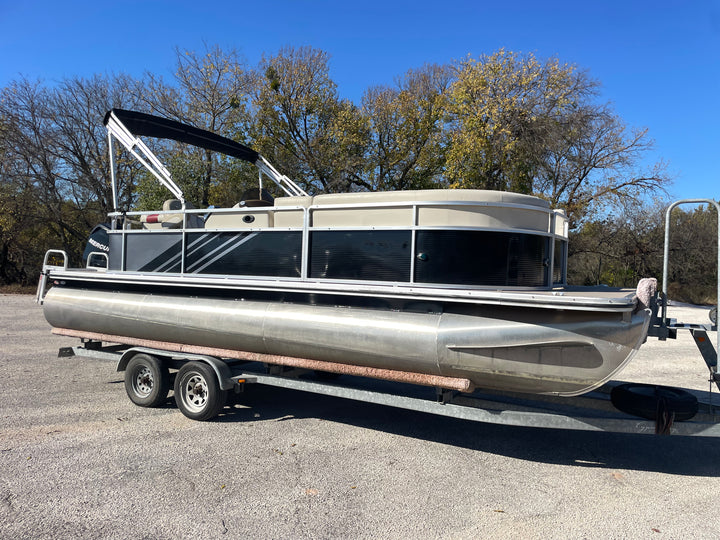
221 369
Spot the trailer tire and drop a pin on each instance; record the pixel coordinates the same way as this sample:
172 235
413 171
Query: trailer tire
644 400
147 381
197 391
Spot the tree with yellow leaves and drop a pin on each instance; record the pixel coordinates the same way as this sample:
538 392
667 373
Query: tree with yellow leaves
519 124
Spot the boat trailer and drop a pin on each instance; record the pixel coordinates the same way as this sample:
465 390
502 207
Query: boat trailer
196 393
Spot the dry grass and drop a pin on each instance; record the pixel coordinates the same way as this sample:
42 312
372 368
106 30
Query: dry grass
17 289
692 294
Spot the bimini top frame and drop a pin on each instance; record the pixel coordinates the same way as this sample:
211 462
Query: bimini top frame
128 126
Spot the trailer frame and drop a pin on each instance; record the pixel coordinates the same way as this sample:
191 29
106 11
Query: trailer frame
589 412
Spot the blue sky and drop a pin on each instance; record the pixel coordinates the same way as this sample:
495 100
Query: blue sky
658 61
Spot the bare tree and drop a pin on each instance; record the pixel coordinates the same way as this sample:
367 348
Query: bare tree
77 108
591 161
211 91
303 125
55 162
406 131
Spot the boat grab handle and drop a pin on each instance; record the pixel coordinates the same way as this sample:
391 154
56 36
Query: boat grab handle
51 252
42 282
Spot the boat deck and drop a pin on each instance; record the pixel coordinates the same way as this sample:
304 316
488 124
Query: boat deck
599 298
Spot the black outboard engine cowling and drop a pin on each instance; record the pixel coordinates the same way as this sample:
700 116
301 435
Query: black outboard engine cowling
97 243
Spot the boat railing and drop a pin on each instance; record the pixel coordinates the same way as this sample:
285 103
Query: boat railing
53 255
666 250
555 223
665 327
129 220
342 212
97 260
387 215
50 263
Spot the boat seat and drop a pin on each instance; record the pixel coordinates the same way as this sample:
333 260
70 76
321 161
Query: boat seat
172 221
243 219
256 197
253 203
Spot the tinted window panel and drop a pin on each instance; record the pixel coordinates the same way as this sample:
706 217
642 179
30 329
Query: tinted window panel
276 254
152 252
361 255
115 255
481 258
559 262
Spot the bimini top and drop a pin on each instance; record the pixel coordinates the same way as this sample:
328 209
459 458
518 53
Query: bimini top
128 126
146 125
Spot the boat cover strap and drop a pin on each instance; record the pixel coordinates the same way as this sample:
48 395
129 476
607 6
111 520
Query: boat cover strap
141 124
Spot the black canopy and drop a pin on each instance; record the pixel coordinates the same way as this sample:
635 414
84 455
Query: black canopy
141 124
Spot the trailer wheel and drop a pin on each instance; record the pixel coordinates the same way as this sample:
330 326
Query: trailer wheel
197 391
147 380
644 400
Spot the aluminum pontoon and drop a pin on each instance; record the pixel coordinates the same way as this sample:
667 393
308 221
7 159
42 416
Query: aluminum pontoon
458 289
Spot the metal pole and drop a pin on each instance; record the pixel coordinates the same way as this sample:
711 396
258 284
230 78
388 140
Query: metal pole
112 173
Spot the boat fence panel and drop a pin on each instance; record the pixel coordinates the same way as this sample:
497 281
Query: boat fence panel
482 258
361 255
266 253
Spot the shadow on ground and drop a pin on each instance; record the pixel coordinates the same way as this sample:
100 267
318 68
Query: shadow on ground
670 454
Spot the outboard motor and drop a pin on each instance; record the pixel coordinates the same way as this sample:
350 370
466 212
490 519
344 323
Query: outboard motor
97 243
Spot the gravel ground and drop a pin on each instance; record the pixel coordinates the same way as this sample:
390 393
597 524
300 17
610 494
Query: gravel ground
77 459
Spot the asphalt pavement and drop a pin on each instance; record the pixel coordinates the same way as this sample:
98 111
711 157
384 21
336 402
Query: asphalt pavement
79 460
